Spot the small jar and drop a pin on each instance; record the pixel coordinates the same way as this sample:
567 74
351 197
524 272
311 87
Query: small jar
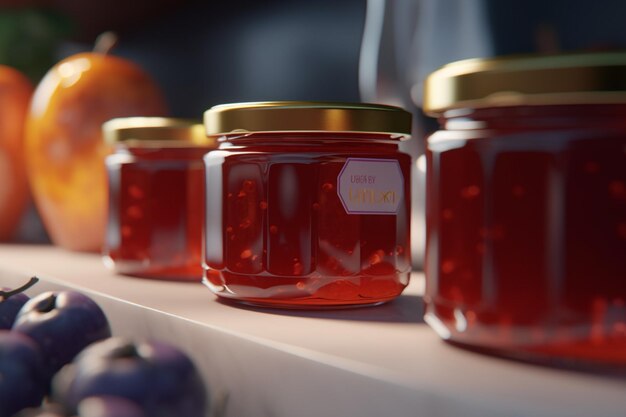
156 197
308 204
526 207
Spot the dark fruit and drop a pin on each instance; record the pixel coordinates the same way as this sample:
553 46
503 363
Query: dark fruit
22 382
11 301
62 324
161 379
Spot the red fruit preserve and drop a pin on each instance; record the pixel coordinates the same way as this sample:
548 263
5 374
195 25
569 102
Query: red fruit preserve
156 197
526 207
307 204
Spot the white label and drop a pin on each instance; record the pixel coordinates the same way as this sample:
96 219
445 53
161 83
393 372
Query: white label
370 186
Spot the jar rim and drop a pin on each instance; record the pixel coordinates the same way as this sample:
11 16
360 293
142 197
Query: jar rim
517 80
155 132
306 116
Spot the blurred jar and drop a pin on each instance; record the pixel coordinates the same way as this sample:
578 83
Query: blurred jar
156 197
308 204
405 40
526 206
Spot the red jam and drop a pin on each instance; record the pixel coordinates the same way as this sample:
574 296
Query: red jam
156 207
280 233
526 214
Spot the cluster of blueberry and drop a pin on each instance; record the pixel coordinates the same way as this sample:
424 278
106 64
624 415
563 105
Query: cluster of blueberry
58 358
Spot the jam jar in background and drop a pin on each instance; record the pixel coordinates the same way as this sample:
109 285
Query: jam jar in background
156 197
526 207
308 204
405 40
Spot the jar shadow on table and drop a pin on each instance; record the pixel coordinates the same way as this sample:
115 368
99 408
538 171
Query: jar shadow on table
550 362
407 308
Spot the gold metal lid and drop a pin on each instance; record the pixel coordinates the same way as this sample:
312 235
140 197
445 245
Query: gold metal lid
527 80
155 131
303 116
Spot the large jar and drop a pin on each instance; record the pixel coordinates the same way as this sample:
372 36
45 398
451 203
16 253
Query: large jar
307 204
526 206
156 197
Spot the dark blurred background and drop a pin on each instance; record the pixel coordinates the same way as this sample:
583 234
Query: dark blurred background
202 53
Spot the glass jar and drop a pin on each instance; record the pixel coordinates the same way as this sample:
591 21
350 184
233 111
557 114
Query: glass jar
308 204
156 197
526 207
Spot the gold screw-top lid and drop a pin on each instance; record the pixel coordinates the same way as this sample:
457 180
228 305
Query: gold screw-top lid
585 78
303 116
155 132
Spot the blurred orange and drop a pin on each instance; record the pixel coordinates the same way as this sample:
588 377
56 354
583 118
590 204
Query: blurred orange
65 149
15 93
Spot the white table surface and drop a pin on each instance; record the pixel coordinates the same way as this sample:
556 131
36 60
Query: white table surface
378 361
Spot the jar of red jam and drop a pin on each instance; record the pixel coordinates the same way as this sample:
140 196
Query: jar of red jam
307 204
526 207
156 197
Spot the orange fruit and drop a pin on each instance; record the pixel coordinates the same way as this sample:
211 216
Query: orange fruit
15 93
65 149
